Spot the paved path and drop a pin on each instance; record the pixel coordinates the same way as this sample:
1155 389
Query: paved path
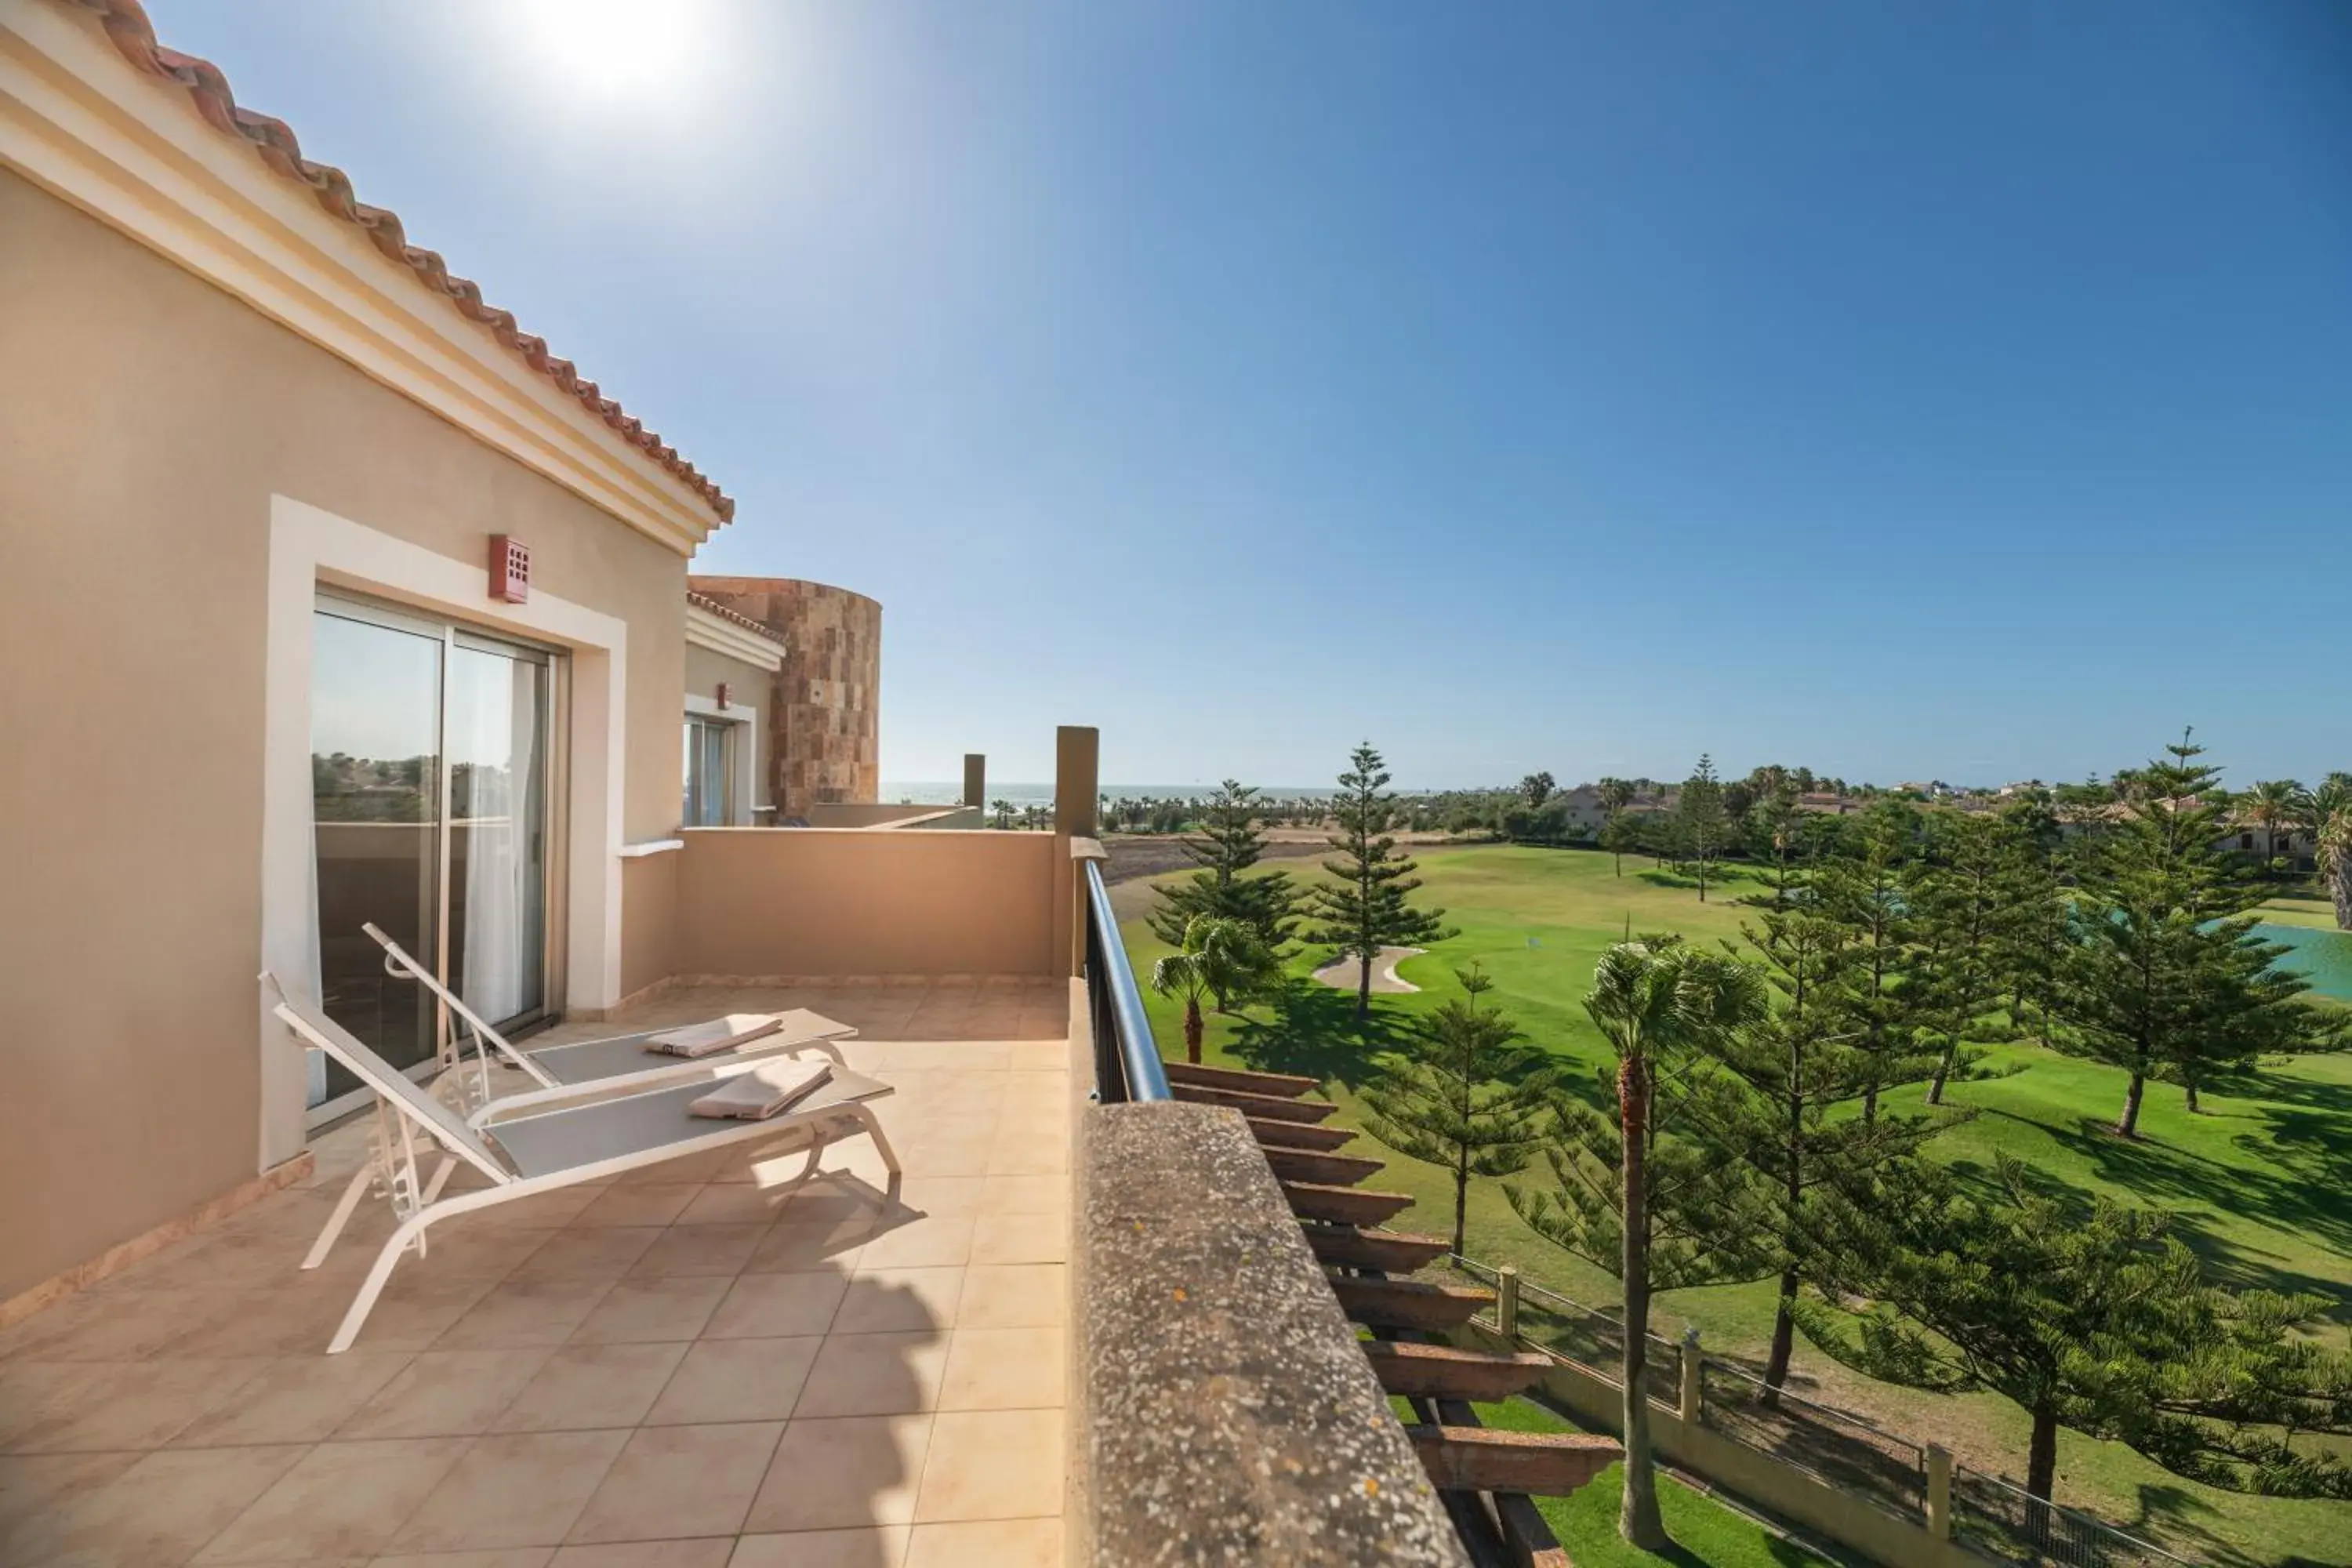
1342 973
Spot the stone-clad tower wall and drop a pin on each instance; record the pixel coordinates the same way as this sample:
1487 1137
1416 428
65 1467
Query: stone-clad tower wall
823 726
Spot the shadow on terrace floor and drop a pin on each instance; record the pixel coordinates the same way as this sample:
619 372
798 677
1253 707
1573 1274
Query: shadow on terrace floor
688 1366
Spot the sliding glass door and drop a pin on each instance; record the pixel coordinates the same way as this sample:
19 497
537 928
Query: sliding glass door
431 778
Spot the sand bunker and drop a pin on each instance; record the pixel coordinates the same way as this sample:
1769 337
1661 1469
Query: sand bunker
1343 973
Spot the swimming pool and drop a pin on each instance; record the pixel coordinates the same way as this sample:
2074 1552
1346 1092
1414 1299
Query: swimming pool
2322 957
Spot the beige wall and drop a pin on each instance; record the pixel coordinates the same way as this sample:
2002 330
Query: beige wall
813 900
146 420
749 688
648 921
841 814
1597 1403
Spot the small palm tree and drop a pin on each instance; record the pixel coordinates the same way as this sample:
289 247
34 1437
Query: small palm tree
1221 959
2273 804
1657 1002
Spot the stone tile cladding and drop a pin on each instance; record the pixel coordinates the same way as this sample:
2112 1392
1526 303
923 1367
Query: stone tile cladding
823 725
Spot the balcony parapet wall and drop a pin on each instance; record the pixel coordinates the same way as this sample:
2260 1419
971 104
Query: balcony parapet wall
1229 1414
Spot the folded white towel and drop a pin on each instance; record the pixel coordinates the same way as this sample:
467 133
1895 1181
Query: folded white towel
766 1090
714 1036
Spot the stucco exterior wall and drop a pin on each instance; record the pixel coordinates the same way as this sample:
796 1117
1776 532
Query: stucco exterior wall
827 721
749 688
755 903
146 420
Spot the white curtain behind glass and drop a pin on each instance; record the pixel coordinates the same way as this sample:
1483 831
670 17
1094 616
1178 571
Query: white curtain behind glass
500 728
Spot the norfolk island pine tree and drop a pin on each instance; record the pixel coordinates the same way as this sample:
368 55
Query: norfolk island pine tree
1365 907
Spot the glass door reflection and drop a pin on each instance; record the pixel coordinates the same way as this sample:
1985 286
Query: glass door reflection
376 796
498 742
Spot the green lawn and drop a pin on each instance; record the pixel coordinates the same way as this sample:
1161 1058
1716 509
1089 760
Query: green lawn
1704 1531
2262 1182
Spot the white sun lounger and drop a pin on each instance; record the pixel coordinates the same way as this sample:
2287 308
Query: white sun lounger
553 1149
615 1063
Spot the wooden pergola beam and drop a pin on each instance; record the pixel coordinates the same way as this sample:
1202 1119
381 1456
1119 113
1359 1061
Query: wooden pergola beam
1259 1106
1281 1085
1482 1459
1409 1303
1324 1170
1344 1205
1442 1371
1389 1251
1298 1135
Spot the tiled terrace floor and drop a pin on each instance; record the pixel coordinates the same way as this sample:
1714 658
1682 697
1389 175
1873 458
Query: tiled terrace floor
678 1369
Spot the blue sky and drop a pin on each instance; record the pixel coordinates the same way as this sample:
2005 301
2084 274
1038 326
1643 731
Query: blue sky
1905 390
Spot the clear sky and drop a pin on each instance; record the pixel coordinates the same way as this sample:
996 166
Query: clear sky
1906 390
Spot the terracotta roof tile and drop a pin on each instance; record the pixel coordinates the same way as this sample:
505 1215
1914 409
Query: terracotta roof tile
738 617
273 142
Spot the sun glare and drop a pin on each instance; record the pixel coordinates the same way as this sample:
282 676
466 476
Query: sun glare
617 49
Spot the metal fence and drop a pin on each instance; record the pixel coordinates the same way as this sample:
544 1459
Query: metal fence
1990 1517
1996 1520
1835 1446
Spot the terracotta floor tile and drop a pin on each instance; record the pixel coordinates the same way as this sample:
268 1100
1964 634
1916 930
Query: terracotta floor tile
1018 1296
300 1399
984 1464
445 1393
776 1306
736 1380
512 1557
1005 1369
1001 1238
900 1300
830 1245
160 1510
944 1197
417 1309
338 1500
295 1317
1025 1195
858 1471
131 1325
987 1543
674 1482
708 1552
638 1206
583 1387
595 1252
522 1313
697 1249
874 1374
734 1203
34 1487
650 1309
926 1243
514 1489
1019 1157
881 1546
115 1405
559 1207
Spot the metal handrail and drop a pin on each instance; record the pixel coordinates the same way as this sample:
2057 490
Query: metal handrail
1127 1058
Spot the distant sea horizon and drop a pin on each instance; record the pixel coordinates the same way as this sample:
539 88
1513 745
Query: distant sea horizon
937 792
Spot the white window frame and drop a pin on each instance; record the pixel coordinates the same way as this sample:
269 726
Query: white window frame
740 716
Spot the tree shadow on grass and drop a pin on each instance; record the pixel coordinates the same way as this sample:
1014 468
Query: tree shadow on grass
2173 1517
2304 1198
1314 1030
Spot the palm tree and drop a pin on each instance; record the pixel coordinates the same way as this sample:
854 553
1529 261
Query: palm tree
2273 804
1221 959
1616 794
1656 1003
2336 858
